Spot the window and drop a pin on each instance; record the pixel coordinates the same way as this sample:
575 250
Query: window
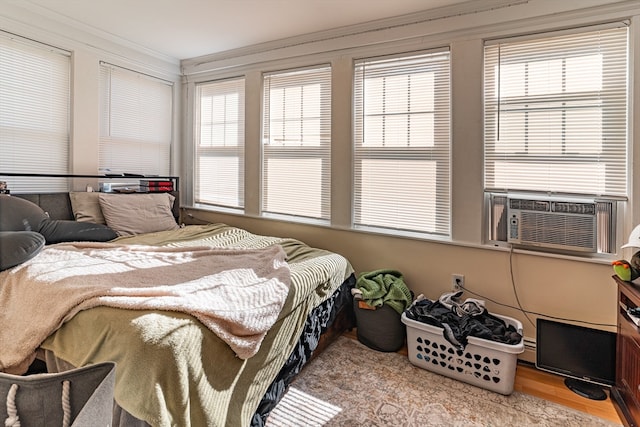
136 122
219 169
556 113
34 113
297 143
402 143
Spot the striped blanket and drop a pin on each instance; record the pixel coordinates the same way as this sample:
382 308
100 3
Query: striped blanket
171 369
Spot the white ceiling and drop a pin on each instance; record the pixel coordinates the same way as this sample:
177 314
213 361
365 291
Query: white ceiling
189 28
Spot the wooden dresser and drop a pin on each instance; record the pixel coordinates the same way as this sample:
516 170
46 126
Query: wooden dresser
626 392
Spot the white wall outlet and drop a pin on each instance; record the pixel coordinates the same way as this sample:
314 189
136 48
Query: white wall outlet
457 282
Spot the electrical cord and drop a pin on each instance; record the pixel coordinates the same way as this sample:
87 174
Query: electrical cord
515 290
527 312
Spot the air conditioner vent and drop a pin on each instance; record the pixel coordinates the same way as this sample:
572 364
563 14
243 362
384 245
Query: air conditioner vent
574 232
566 224
574 208
530 205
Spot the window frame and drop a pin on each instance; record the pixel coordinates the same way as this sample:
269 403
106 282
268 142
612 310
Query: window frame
321 151
37 134
440 152
111 146
606 100
226 151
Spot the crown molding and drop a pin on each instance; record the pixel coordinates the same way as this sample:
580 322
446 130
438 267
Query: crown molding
460 9
29 20
416 31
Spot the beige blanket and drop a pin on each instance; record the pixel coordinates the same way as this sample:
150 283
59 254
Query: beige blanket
236 293
171 369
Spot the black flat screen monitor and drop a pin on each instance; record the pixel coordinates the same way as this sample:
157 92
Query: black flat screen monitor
586 356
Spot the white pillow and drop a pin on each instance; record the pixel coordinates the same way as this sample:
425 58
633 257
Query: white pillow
129 214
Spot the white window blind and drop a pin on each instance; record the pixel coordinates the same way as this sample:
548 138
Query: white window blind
136 122
297 143
34 113
219 174
556 113
402 143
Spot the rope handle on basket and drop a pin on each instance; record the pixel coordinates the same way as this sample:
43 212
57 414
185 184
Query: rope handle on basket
13 420
12 412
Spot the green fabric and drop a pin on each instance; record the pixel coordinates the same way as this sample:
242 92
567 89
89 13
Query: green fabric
384 287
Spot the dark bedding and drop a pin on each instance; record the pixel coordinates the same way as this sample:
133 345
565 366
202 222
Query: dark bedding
320 319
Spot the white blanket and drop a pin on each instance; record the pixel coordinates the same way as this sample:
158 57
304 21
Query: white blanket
237 294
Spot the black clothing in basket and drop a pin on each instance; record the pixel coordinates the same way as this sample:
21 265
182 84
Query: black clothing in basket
456 327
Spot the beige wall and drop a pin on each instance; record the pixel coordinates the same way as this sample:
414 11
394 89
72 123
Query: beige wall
554 286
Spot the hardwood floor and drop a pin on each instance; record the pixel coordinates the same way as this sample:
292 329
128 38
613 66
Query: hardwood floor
550 387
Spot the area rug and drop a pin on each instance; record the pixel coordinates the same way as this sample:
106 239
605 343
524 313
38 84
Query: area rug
352 385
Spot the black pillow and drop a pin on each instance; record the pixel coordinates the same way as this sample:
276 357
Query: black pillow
17 247
18 214
56 231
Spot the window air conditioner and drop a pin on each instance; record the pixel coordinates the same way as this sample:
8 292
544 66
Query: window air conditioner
550 222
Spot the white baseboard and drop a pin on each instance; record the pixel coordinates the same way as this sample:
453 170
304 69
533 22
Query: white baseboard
529 354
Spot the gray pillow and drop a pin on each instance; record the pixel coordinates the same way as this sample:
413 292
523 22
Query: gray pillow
18 214
17 247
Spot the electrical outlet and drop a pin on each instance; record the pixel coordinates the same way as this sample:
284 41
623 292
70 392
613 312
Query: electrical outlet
457 282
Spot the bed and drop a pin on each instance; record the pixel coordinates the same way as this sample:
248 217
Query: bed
172 369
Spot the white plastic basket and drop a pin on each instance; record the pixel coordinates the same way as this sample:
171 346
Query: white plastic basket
483 363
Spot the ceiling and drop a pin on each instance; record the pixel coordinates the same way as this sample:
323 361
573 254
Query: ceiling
183 29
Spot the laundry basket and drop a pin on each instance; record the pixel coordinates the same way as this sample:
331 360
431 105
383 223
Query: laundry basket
380 297
483 363
379 328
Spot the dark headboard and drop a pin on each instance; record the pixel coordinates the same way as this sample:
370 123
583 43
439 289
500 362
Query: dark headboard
58 205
